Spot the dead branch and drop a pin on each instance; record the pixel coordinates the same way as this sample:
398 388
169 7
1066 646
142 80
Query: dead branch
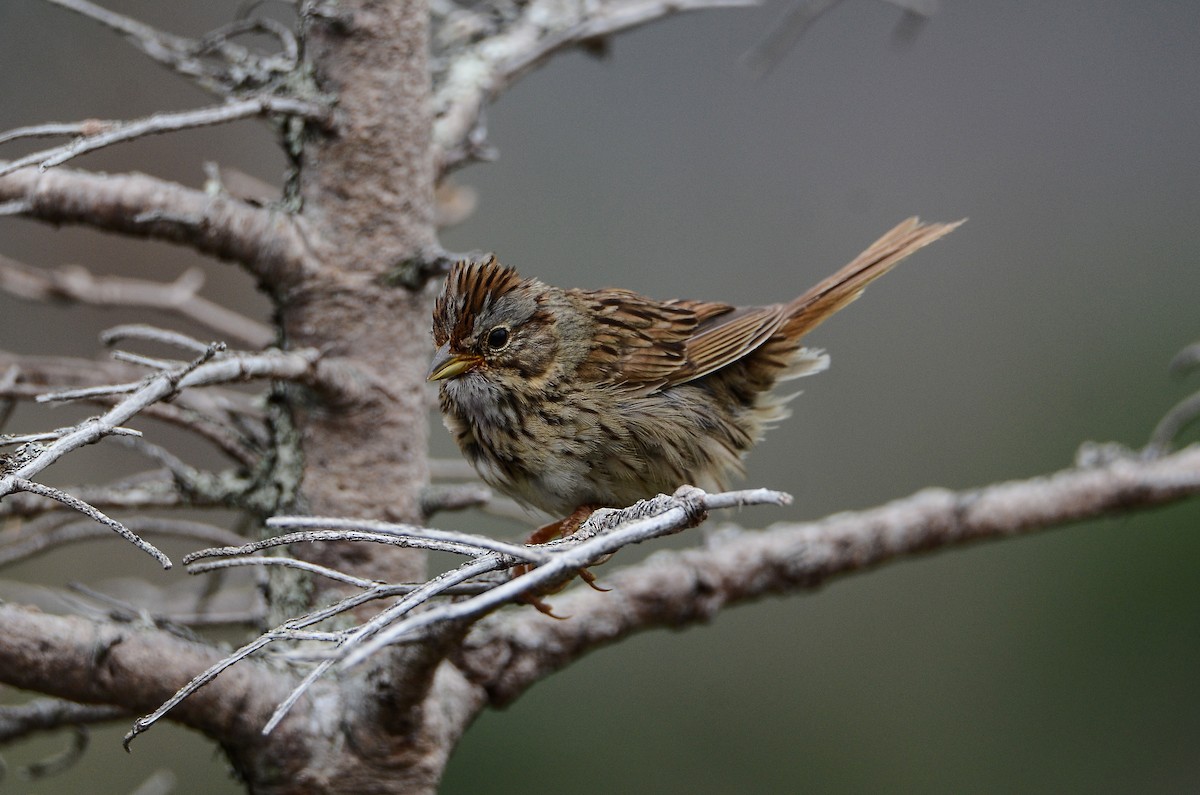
214 62
231 420
30 460
76 504
74 284
49 714
205 369
96 134
35 538
268 242
155 489
555 563
481 51
96 662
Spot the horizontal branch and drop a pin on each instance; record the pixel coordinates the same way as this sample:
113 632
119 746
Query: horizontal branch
266 241
73 284
670 589
97 662
96 134
49 714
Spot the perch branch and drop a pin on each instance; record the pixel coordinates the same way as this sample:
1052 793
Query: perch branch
671 589
557 562
604 533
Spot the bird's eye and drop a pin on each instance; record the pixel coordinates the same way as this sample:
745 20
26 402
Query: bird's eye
497 338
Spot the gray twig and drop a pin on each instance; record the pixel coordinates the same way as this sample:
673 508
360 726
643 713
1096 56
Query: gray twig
74 284
49 714
302 565
237 67
21 484
457 543
289 630
36 537
601 535
99 134
410 601
473 544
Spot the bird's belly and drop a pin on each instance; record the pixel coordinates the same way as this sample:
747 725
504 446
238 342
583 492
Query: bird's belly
609 455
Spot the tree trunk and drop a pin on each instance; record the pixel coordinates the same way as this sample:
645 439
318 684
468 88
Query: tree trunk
366 189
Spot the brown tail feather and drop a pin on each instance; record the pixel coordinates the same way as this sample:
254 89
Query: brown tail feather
811 309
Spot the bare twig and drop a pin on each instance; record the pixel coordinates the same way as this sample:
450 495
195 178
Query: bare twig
453 498
296 365
50 714
286 631
149 362
7 381
148 333
474 544
1172 425
438 540
302 565
63 760
92 430
99 134
230 419
146 490
241 69
7 439
1186 359
34 539
802 14
603 534
74 284
74 503
363 634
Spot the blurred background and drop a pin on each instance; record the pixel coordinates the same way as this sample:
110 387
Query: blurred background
1066 132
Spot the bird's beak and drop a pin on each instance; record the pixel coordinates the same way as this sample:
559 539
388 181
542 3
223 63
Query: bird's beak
451 365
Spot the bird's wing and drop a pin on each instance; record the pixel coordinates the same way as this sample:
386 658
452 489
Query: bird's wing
646 344
724 337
